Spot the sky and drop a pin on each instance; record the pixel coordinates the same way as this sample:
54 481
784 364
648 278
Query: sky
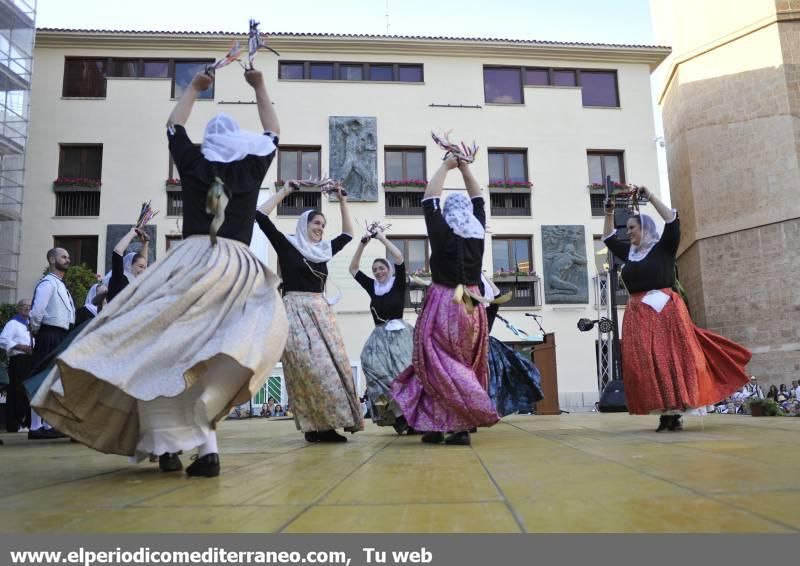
609 21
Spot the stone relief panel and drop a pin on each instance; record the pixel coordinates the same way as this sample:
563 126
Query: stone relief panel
354 155
566 278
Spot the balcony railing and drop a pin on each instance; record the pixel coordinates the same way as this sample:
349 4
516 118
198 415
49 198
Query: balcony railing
298 202
510 204
525 290
597 199
404 203
174 203
78 203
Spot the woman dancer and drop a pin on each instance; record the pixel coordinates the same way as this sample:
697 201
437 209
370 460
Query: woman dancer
515 383
445 388
319 379
387 351
95 299
184 337
125 268
670 365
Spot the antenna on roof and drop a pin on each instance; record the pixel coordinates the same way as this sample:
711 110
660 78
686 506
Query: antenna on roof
387 17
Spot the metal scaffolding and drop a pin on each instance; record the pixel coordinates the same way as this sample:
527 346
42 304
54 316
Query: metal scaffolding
17 31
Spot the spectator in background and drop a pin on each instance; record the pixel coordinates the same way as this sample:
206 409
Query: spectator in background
15 340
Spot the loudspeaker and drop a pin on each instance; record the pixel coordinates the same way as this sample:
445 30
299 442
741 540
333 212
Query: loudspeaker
612 399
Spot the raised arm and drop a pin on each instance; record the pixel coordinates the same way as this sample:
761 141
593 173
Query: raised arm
273 201
473 188
266 113
436 184
180 114
397 255
663 210
123 244
144 252
347 221
608 223
355 263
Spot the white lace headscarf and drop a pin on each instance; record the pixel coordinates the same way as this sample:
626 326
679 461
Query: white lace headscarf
457 212
90 296
316 252
127 268
650 237
379 288
224 142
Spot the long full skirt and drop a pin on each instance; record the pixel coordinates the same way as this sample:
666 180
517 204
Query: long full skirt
515 383
671 365
445 388
196 334
316 368
385 355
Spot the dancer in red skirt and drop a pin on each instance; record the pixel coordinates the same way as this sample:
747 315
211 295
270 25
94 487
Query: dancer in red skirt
670 366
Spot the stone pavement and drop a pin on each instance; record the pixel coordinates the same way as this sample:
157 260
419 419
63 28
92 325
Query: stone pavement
573 473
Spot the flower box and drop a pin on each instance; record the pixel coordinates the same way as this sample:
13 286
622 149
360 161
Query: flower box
419 183
76 184
508 277
502 184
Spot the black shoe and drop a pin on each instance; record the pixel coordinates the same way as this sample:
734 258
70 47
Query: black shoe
664 422
432 437
44 434
312 436
400 425
675 423
458 439
207 466
410 431
330 436
473 430
169 462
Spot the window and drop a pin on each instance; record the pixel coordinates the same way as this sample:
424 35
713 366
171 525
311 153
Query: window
298 162
410 73
503 85
322 71
174 203
512 264
508 166
124 68
404 164
511 255
415 253
603 164
77 203
381 72
184 73
351 71
82 249
564 77
509 188
155 69
537 77
599 88
80 161
85 77
290 71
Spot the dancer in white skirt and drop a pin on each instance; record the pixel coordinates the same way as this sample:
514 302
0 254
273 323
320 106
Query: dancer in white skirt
200 330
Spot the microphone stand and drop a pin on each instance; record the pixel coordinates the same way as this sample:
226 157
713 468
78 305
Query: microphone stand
536 319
